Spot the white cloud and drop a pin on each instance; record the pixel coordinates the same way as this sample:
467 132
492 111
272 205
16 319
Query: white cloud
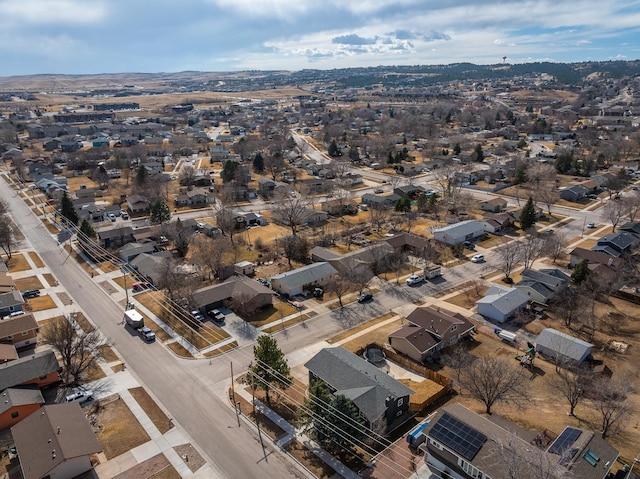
14 12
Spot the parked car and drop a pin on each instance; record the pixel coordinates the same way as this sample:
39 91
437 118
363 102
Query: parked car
146 334
112 217
547 232
469 245
124 214
477 258
318 292
592 197
378 191
140 286
79 394
31 293
216 315
197 315
363 298
415 279
591 225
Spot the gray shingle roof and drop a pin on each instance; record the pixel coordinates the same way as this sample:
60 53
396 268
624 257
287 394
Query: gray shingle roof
14 397
306 275
568 346
505 300
25 369
362 382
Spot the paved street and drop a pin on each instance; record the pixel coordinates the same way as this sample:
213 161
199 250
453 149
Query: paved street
184 391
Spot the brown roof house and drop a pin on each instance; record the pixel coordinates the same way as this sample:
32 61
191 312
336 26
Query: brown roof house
137 204
40 369
428 331
20 331
494 205
235 290
17 404
55 442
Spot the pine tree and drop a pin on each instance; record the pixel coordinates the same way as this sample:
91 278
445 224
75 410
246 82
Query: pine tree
479 153
228 172
403 205
581 272
333 149
159 213
141 175
87 230
258 163
67 209
271 368
528 215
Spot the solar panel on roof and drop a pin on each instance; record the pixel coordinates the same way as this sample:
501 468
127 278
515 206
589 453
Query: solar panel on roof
457 436
565 440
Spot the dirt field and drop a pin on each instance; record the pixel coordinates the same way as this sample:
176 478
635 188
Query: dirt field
17 263
121 431
30 282
41 303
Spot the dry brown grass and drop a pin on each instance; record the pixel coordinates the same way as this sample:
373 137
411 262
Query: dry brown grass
151 409
17 263
222 349
50 279
93 373
277 311
121 430
467 299
350 332
179 350
107 354
120 281
36 259
156 467
30 282
41 303
108 266
379 335
50 227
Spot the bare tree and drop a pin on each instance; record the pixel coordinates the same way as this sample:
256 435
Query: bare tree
569 306
77 348
274 164
531 248
615 211
208 253
457 357
519 459
612 404
555 246
292 211
339 286
492 380
572 382
187 174
547 194
509 254
7 239
378 216
225 220
631 205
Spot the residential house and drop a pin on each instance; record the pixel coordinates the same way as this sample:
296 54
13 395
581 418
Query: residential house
615 244
592 186
459 232
501 303
497 222
320 253
17 404
408 243
464 445
7 353
10 302
115 237
314 185
250 292
365 261
542 285
380 399
380 201
55 442
339 207
494 205
294 282
195 197
7 284
137 204
21 331
39 369
152 266
593 257
631 227
308 216
251 219
574 193
350 179
130 250
428 331
562 348
412 191
268 188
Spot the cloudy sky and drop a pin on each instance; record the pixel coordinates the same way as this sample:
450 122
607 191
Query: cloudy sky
110 36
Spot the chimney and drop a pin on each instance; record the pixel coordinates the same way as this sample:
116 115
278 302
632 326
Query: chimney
53 454
58 429
610 262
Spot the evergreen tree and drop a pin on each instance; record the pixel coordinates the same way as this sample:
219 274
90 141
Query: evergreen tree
159 213
340 426
141 175
581 272
353 153
271 368
528 215
229 170
333 149
457 149
67 209
258 163
521 175
479 153
403 205
87 230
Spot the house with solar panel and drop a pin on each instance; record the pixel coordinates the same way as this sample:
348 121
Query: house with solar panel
381 400
461 444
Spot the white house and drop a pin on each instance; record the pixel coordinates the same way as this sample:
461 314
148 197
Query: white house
501 303
459 232
293 282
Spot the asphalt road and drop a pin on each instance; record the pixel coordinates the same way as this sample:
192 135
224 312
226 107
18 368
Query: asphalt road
232 451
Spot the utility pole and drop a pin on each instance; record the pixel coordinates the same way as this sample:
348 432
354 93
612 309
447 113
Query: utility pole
261 441
233 387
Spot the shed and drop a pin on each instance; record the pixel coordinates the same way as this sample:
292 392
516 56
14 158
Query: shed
562 348
243 267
